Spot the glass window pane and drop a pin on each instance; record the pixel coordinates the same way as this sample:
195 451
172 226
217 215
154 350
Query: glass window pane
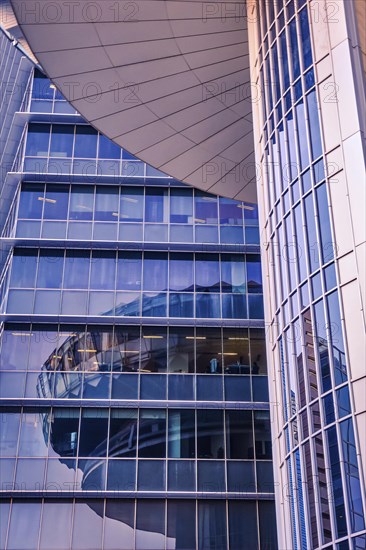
262 428
121 475
181 434
205 208
56 202
150 525
87 525
181 476
254 274
180 388
239 435
211 476
24 266
93 432
108 149
62 140
209 388
181 350
181 206
103 269
208 350
151 475
119 525
232 273
127 353
153 386
64 432
240 476
181 532
156 205
327 244
129 271
212 525
14 347
207 273
267 525
9 433
37 140
81 202
181 272
85 142
33 441
210 434
155 271
154 349
77 265
152 433
56 524
132 206
243 528
231 212
50 269
123 433
258 351
106 204
30 203
25 518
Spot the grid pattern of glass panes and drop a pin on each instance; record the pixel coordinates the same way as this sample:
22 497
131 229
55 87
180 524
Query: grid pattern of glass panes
132 362
129 524
135 284
134 213
310 347
125 449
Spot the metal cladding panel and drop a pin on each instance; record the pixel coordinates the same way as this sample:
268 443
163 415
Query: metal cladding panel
167 80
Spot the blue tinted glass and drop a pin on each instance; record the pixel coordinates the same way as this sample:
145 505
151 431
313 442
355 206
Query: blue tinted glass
50 269
265 477
316 286
330 277
181 305
260 389
237 388
252 235
212 524
305 39
255 304
41 86
335 328
181 387
103 269
205 208
301 128
121 475
328 406
129 271
182 477
106 204
254 274
344 403
313 245
234 306
243 534
30 203
24 266
76 269
231 235
207 273
327 245
286 76
85 142
124 386
156 205
352 476
211 477
155 271
300 245
154 305
316 144
276 72
108 149
56 202
232 273
208 306
181 206
338 502
319 173
294 50
322 345
132 204
231 212
62 139
37 140
81 202
181 272
209 388
309 79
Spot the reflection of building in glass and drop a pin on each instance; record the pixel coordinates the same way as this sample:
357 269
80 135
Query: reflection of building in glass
135 407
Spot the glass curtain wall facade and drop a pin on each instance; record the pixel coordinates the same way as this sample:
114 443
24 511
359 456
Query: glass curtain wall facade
135 409
317 434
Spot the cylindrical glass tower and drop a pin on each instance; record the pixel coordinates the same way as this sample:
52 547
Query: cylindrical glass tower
309 144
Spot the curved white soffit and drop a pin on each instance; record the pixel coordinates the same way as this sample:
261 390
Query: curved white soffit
168 80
